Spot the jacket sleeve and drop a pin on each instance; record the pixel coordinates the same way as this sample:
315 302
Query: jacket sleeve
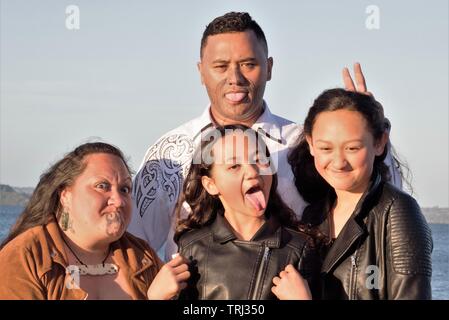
156 189
409 250
18 277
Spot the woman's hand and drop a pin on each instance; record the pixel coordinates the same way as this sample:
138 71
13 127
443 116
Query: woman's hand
170 280
290 285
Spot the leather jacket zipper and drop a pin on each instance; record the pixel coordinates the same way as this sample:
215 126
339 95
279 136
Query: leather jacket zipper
262 266
351 293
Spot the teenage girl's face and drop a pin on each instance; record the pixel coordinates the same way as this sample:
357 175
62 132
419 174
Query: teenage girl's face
239 176
344 149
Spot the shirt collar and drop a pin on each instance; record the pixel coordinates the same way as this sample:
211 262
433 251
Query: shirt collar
266 124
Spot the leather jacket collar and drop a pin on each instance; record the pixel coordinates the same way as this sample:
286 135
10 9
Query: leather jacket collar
354 228
269 233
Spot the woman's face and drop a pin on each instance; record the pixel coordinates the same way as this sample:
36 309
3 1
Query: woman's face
99 201
241 179
344 149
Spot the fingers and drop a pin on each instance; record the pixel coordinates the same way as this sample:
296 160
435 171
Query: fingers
275 290
170 280
347 80
176 261
289 285
359 78
178 268
183 276
290 268
292 272
284 273
181 268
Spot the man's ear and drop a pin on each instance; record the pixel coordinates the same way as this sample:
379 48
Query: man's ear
209 185
270 67
309 142
381 144
200 70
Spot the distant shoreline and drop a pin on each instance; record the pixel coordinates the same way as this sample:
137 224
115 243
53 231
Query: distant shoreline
434 215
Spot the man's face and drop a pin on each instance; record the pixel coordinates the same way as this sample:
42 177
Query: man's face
234 68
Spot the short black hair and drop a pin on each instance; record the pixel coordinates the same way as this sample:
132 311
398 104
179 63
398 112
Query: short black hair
233 22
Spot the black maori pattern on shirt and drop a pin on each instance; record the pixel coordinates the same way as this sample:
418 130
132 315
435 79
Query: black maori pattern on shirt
167 164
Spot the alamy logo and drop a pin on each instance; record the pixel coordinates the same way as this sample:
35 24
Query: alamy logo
72 20
72 280
372 280
372 22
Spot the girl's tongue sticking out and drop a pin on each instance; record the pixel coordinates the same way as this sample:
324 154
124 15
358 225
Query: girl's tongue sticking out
256 197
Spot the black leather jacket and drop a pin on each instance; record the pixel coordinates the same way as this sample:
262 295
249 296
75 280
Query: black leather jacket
383 251
228 268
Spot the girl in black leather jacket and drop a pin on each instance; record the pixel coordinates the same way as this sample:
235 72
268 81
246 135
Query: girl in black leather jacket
373 238
240 236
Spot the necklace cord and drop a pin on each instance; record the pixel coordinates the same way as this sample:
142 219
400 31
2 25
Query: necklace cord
79 260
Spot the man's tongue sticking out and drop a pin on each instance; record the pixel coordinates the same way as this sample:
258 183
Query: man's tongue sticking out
236 96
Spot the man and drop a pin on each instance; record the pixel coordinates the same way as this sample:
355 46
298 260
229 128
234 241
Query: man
234 68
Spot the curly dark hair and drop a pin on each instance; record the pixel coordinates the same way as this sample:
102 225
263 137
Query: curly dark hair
233 22
44 203
308 181
204 206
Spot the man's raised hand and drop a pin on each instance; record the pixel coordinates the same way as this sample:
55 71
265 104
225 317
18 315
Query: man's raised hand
359 80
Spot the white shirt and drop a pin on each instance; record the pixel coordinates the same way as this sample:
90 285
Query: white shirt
159 181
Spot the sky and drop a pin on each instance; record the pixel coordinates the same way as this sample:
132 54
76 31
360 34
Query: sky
128 74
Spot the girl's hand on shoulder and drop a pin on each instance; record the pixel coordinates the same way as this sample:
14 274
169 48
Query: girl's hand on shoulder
170 280
290 285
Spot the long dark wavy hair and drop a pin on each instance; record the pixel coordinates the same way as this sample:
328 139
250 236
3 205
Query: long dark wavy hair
308 181
204 206
44 204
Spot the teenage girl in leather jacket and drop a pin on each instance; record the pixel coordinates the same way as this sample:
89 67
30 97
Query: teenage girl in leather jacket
240 236
373 239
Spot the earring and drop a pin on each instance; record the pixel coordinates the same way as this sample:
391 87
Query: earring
64 220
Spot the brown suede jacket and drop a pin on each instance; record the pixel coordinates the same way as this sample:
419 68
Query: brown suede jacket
33 266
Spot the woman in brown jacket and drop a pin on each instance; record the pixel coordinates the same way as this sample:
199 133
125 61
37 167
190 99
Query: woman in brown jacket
70 241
